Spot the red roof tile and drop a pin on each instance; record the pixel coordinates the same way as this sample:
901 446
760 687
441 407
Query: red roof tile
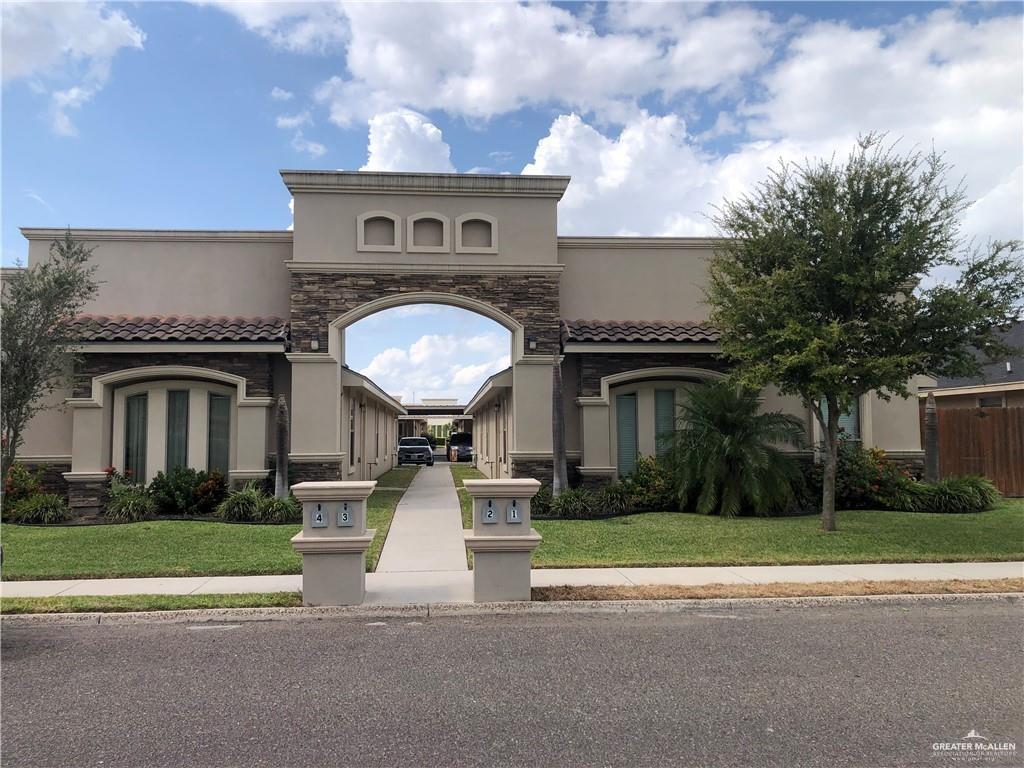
624 331
175 328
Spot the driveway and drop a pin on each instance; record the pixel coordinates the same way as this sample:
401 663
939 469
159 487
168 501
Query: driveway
866 685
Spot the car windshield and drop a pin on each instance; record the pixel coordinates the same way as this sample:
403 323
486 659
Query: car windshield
460 438
416 441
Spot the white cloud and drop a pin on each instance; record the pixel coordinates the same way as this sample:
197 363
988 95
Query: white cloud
504 56
73 44
312 148
300 27
439 365
291 210
280 94
946 80
403 140
289 122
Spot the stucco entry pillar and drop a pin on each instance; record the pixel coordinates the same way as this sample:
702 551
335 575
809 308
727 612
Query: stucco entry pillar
315 411
333 541
596 466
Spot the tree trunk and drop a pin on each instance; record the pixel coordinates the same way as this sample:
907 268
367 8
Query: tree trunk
559 480
828 484
931 440
281 466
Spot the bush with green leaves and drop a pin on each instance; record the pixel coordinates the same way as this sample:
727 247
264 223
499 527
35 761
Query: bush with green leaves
37 509
241 505
540 504
613 500
129 502
954 495
186 492
22 482
574 504
650 486
271 509
724 455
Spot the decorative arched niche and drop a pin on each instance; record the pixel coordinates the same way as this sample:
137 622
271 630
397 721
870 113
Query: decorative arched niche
428 232
379 231
476 233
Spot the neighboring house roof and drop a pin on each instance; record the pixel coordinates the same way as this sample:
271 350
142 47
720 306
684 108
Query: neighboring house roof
995 372
608 331
174 328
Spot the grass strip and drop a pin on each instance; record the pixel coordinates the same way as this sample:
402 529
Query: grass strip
816 589
126 603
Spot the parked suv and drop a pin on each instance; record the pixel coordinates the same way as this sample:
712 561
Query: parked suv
415 450
460 446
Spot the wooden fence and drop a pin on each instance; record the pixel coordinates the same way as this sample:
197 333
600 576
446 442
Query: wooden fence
984 441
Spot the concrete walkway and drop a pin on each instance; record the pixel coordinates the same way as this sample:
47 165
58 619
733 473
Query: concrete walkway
456 586
426 532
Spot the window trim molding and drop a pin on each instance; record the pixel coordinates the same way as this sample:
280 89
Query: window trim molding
361 220
472 216
446 228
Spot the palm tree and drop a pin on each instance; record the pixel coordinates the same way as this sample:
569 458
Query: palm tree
724 454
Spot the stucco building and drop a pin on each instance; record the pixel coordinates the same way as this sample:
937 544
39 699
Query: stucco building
194 333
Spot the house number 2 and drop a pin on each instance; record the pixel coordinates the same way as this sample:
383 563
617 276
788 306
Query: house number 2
489 514
345 519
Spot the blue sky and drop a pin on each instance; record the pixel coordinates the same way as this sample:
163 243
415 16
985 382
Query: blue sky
179 115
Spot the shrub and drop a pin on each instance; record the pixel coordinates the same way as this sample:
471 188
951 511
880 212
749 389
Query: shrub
865 479
573 504
650 486
21 482
187 492
37 509
540 505
724 454
270 509
240 505
613 500
954 495
129 502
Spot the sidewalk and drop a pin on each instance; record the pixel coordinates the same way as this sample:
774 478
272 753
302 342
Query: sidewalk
426 532
398 588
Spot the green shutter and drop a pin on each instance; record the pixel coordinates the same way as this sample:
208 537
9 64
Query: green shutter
849 422
136 410
219 435
664 419
625 419
177 428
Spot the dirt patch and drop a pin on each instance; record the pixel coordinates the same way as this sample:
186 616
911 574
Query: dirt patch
816 589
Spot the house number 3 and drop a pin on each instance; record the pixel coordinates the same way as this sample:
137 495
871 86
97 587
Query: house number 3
345 519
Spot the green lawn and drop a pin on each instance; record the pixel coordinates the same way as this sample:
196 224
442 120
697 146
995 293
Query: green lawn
462 472
673 538
167 547
399 477
122 603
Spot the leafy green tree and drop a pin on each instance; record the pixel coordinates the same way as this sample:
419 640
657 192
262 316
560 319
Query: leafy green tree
817 284
36 341
724 454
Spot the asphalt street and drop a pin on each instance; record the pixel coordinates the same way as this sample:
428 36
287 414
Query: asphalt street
854 685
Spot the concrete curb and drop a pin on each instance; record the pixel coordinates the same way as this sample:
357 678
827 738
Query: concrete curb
442 610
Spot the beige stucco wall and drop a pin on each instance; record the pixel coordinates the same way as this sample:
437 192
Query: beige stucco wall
159 274
48 433
634 283
326 227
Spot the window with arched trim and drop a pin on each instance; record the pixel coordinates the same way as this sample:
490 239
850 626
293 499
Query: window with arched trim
378 231
428 233
476 233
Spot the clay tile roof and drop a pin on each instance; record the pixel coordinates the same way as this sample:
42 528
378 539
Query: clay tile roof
175 328
608 331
